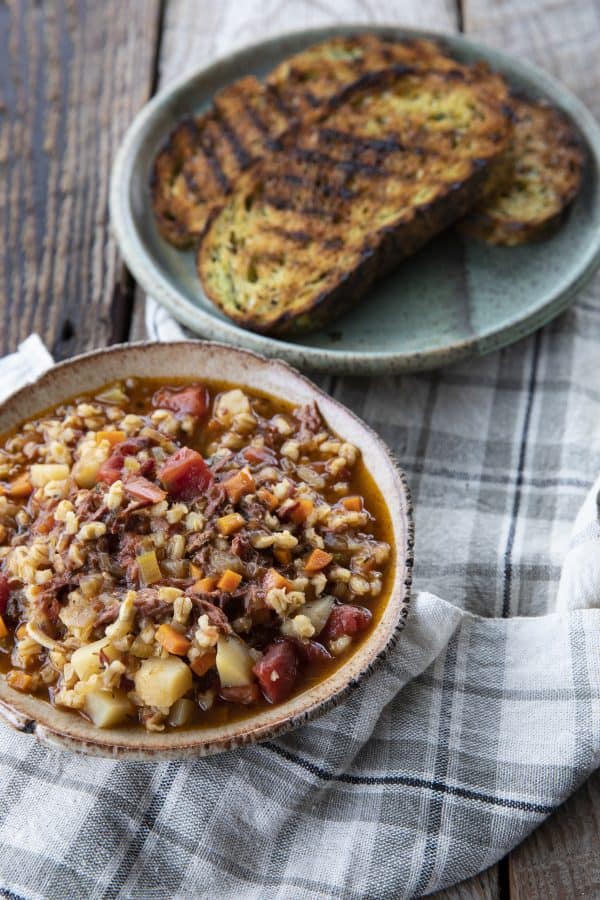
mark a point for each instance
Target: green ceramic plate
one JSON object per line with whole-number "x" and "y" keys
{"x": 456, "y": 298}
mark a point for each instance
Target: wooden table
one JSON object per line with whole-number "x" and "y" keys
{"x": 73, "y": 73}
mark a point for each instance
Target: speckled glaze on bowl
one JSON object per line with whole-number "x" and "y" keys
{"x": 454, "y": 299}
{"x": 199, "y": 360}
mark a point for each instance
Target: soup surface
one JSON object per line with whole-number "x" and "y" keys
{"x": 183, "y": 554}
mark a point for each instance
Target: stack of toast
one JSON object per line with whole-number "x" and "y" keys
{"x": 299, "y": 191}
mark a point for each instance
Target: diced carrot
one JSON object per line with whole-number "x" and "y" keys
{"x": 268, "y": 498}
{"x": 19, "y": 488}
{"x": 301, "y": 510}
{"x": 196, "y": 571}
{"x": 317, "y": 560}
{"x": 172, "y": 640}
{"x": 274, "y": 579}
{"x": 113, "y": 437}
{"x": 231, "y": 523}
{"x": 282, "y": 556}
{"x": 44, "y": 524}
{"x": 3, "y": 628}
{"x": 205, "y": 585}
{"x": 20, "y": 681}
{"x": 229, "y": 580}
{"x": 354, "y": 504}
{"x": 202, "y": 664}
{"x": 239, "y": 484}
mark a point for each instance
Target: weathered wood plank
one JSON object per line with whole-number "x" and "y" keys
{"x": 560, "y": 860}
{"x": 191, "y": 39}
{"x": 73, "y": 74}
{"x": 562, "y": 36}
{"x": 482, "y": 887}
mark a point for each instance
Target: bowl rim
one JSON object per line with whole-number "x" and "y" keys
{"x": 147, "y": 272}
{"x": 64, "y": 728}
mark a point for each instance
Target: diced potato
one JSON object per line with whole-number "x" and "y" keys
{"x": 141, "y": 649}
{"x": 41, "y": 474}
{"x": 183, "y": 712}
{"x": 86, "y": 660}
{"x": 85, "y": 470}
{"x": 160, "y": 682}
{"x": 107, "y": 708}
{"x": 318, "y": 612}
{"x": 234, "y": 663}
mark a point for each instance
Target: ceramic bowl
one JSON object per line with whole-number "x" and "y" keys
{"x": 200, "y": 360}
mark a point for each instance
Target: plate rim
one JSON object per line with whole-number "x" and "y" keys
{"x": 147, "y": 273}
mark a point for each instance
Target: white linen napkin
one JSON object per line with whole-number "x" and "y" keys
{"x": 470, "y": 733}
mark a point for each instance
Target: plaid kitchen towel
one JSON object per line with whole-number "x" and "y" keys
{"x": 482, "y": 720}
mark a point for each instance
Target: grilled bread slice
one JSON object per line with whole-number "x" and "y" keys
{"x": 308, "y": 229}
{"x": 545, "y": 160}
{"x": 195, "y": 170}
{"x": 202, "y": 158}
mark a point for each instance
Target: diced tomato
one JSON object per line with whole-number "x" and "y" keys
{"x": 185, "y": 475}
{"x": 4, "y": 593}
{"x": 193, "y": 400}
{"x": 277, "y": 671}
{"x": 111, "y": 469}
{"x": 142, "y": 489}
{"x": 245, "y": 694}
{"x": 346, "y": 619}
{"x": 313, "y": 652}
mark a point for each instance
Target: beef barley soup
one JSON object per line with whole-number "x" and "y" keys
{"x": 183, "y": 554}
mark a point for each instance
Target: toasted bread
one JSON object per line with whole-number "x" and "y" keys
{"x": 202, "y": 158}
{"x": 545, "y": 160}
{"x": 312, "y": 77}
{"x": 400, "y": 156}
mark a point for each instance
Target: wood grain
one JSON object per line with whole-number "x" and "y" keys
{"x": 73, "y": 75}
{"x": 561, "y": 36}
{"x": 560, "y": 859}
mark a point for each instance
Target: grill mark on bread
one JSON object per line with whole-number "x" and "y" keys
{"x": 209, "y": 153}
{"x": 241, "y": 154}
